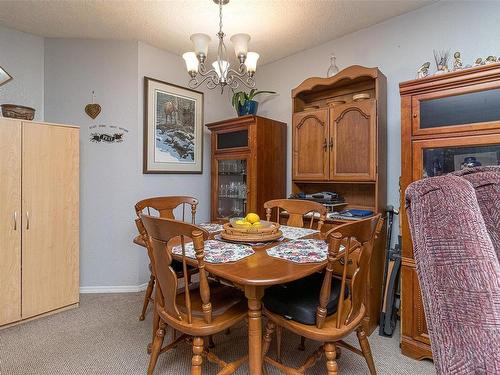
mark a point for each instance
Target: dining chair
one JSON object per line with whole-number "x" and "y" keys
{"x": 296, "y": 209}
{"x": 163, "y": 207}
{"x": 327, "y": 307}
{"x": 199, "y": 310}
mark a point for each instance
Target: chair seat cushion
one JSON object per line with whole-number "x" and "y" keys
{"x": 299, "y": 299}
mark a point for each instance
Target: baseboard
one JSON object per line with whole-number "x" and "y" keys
{"x": 113, "y": 289}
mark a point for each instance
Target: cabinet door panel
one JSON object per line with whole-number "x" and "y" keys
{"x": 50, "y": 208}
{"x": 310, "y": 156}
{"x": 353, "y": 141}
{"x": 10, "y": 221}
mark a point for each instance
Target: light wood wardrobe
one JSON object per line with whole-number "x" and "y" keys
{"x": 39, "y": 219}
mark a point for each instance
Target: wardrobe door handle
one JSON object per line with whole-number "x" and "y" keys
{"x": 15, "y": 220}
{"x": 27, "y": 220}
{"x": 325, "y": 145}
{"x": 331, "y": 143}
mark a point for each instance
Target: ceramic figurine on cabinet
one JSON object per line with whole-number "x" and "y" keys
{"x": 423, "y": 71}
{"x": 441, "y": 58}
{"x": 491, "y": 60}
{"x": 457, "y": 62}
{"x": 479, "y": 61}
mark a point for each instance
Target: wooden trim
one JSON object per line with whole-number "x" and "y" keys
{"x": 48, "y": 313}
{"x": 349, "y": 73}
{"x": 460, "y": 78}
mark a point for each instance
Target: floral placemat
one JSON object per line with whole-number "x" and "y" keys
{"x": 293, "y": 233}
{"x": 301, "y": 251}
{"x": 211, "y": 227}
{"x": 217, "y": 251}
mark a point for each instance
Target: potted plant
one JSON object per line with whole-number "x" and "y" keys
{"x": 243, "y": 102}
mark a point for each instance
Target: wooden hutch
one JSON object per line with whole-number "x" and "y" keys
{"x": 248, "y": 165}
{"x": 339, "y": 145}
{"x": 448, "y": 121}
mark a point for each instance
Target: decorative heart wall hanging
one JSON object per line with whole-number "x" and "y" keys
{"x": 93, "y": 109}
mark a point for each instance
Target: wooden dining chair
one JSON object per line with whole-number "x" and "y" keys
{"x": 330, "y": 307}
{"x": 200, "y": 310}
{"x": 164, "y": 207}
{"x": 296, "y": 209}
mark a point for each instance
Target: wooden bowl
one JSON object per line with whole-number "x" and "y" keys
{"x": 268, "y": 232}
{"x": 18, "y": 111}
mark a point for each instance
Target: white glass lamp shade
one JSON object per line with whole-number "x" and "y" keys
{"x": 191, "y": 62}
{"x": 251, "y": 61}
{"x": 225, "y": 67}
{"x": 200, "y": 43}
{"x": 240, "y": 42}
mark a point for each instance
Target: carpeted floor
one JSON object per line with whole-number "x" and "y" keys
{"x": 104, "y": 336}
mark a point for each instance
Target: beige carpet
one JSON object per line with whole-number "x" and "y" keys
{"x": 104, "y": 336}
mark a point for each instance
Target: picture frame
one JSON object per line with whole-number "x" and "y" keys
{"x": 4, "y": 76}
{"x": 173, "y": 128}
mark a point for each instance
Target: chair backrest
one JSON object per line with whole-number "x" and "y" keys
{"x": 162, "y": 235}
{"x": 166, "y": 206}
{"x": 144, "y": 236}
{"x": 356, "y": 235}
{"x": 296, "y": 209}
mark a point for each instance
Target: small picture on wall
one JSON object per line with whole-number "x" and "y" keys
{"x": 173, "y": 128}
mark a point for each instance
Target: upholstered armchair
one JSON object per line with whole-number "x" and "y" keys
{"x": 455, "y": 226}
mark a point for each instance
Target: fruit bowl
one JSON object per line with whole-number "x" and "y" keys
{"x": 267, "y": 231}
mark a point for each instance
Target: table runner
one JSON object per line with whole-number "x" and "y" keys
{"x": 217, "y": 251}
{"x": 293, "y": 233}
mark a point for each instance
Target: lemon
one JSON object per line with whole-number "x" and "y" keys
{"x": 252, "y": 218}
{"x": 240, "y": 222}
{"x": 246, "y": 224}
{"x": 257, "y": 224}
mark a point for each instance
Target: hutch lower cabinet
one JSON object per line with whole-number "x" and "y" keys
{"x": 39, "y": 219}
{"x": 448, "y": 122}
{"x": 248, "y": 165}
{"x": 339, "y": 145}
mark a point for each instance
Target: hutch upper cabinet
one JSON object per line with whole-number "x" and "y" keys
{"x": 39, "y": 215}
{"x": 248, "y": 165}
{"x": 339, "y": 145}
{"x": 448, "y": 122}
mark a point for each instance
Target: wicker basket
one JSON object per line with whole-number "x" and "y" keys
{"x": 18, "y": 112}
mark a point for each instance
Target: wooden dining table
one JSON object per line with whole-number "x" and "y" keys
{"x": 254, "y": 274}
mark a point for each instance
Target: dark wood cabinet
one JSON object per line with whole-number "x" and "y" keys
{"x": 448, "y": 122}
{"x": 339, "y": 145}
{"x": 248, "y": 165}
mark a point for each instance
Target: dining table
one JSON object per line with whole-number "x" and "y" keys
{"x": 253, "y": 274}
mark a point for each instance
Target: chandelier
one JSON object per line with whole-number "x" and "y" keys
{"x": 221, "y": 74}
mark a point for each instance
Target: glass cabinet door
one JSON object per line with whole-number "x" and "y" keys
{"x": 439, "y": 157}
{"x": 447, "y": 111}
{"x": 231, "y": 187}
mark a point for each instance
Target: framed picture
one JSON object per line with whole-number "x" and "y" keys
{"x": 4, "y": 76}
{"x": 173, "y": 128}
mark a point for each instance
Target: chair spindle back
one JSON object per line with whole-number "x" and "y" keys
{"x": 296, "y": 209}
{"x": 166, "y": 206}
{"x": 163, "y": 234}
{"x": 356, "y": 235}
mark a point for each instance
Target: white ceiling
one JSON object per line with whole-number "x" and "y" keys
{"x": 278, "y": 28}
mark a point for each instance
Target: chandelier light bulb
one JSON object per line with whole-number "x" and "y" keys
{"x": 200, "y": 44}
{"x": 191, "y": 63}
{"x": 251, "y": 62}
{"x": 240, "y": 42}
{"x": 222, "y": 73}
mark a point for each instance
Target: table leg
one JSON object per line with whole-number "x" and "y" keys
{"x": 254, "y": 295}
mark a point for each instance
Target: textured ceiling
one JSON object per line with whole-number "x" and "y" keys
{"x": 278, "y": 28}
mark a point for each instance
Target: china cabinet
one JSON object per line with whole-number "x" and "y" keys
{"x": 248, "y": 165}
{"x": 39, "y": 211}
{"x": 448, "y": 122}
{"x": 339, "y": 145}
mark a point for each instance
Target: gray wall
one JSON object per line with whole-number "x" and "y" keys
{"x": 398, "y": 47}
{"x": 111, "y": 174}
{"x": 22, "y": 58}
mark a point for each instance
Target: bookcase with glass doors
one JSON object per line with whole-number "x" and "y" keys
{"x": 248, "y": 161}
